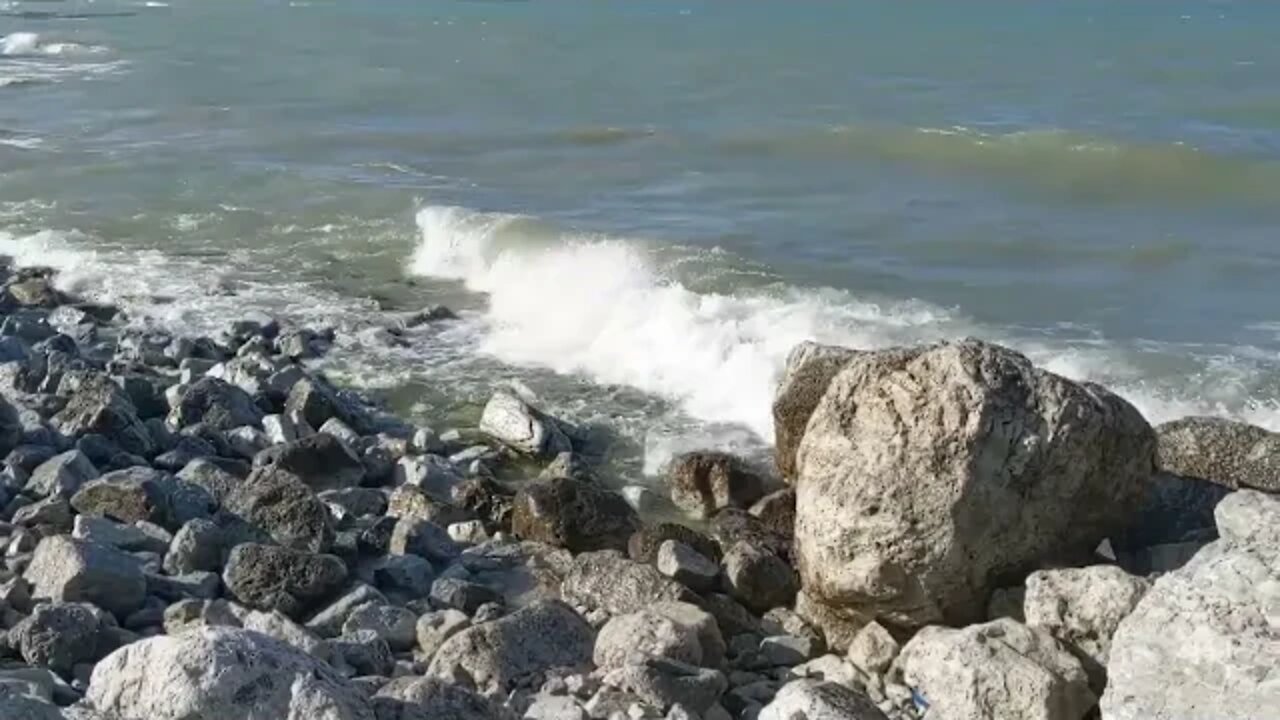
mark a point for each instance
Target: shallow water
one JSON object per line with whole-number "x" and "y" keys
{"x": 640, "y": 207}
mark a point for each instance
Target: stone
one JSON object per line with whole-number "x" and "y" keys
{"x": 530, "y": 641}
{"x": 69, "y": 570}
{"x": 329, "y": 621}
{"x": 1224, "y": 452}
{"x": 757, "y": 578}
{"x": 787, "y": 650}
{"x": 99, "y": 406}
{"x": 265, "y": 577}
{"x": 362, "y": 653}
{"x": 607, "y": 581}
{"x": 573, "y": 514}
{"x": 60, "y": 635}
{"x": 108, "y": 532}
{"x": 518, "y": 425}
{"x": 424, "y": 539}
{"x": 471, "y": 532}
{"x": 192, "y": 612}
{"x": 434, "y": 628}
{"x": 61, "y": 475}
{"x": 215, "y": 480}
{"x": 462, "y": 595}
{"x": 276, "y": 625}
{"x": 410, "y": 501}
{"x": 357, "y": 501}
{"x": 704, "y": 482}
{"x": 1202, "y": 642}
{"x": 21, "y": 707}
{"x": 873, "y": 649}
{"x": 52, "y": 512}
{"x": 1000, "y": 465}
{"x": 817, "y": 700}
{"x": 140, "y": 493}
{"x": 998, "y": 669}
{"x": 223, "y": 673}
{"x": 315, "y": 402}
{"x": 409, "y": 575}
{"x": 777, "y": 511}
{"x": 663, "y": 683}
{"x": 645, "y": 634}
{"x": 484, "y": 498}
{"x": 644, "y": 544}
{"x": 202, "y": 585}
{"x": 284, "y": 507}
{"x": 415, "y": 698}
{"x": 216, "y": 404}
{"x": 555, "y": 707}
{"x": 810, "y": 368}
{"x": 433, "y": 474}
{"x": 199, "y": 545}
{"x": 396, "y": 625}
{"x": 687, "y": 566}
{"x": 1082, "y": 607}
{"x": 279, "y": 428}
{"x": 321, "y": 462}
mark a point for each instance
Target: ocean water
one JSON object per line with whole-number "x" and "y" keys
{"x": 639, "y": 207}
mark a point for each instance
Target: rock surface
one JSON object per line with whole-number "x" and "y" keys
{"x": 574, "y": 514}
{"x": 69, "y": 570}
{"x": 817, "y": 700}
{"x": 607, "y": 581}
{"x": 1224, "y": 452}
{"x": 517, "y": 424}
{"x": 809, "y": 370}
{"x": 274, "y": 578}
{"x": 704, "y": 482}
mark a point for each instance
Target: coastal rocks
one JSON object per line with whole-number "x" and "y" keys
{"x": 1224, "y": 452}
{"x": 60, "y": 635}
{"x": 607, "y": 581}
{"x": 198, "y": 545}
{"x": 139, "y": 493}
{"x": 61, "y": 475}
{"x": 266, "y": 577}
{"x": 809, "y": 370}
{"x": 646, "y": 634}
{"x": 424, "y": 539}
{"x": 98, "y": 406}
{"x": 433, "y": 474}
{"x": 1001, "y": 465}
{"x": 285, "y": 508}
{"x": 411, "y": 698}
{"x": 69, "y": 570}
{"x": 434, "y": 628}
{"x": 216, "y": 404}
{"x": 704, "y": 482}
{"x": 1174, "y": 509}
{"x": 496, "y": 654}
{"x": 644, "y": 544}
{"x": 574, "y": 514}
{"x": 817, "y": 700}
{"x": 396, "y": 625}
{"x": 687, "y": 566}
{"x": 995, "y": 670}
{"x": 1202, "y": 642}
{"x": 1082, "y": 607}
{"x": 757, "y": 578}
{"x": 321, "y": 462}
{"x": 518, "y": 425}
{"x": 223, "y": 673}
{"x": 329, "y": 621}
{"x": 664, "y": 683}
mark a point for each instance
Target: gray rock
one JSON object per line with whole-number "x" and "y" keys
{"x": 434, "y": 628}
{"x": 424, "y": 539}
{"x": 363, "y": 652}
{"x": 20, "y": 707}
{"x": 284, "y": 507}
{"x": 662, "y": 682}
{"x": 357, "y": 501}
{"x": 462, "y": 595}
{"x": 758, "y": 578}
{"x": 532, "y": 640}
{"x": 777, "y": 511}
{"x": 409, "y": 575}
{"x": 815, "y": 700}
{"x": 999, "y": 464}
{"x": 329, "y": 621}
{"x": 201, "y": 585}
{"x": 216, "y": 404}
{"x": 215, "y": 480}
{"x": 1082, "y": 607}
{"x": 69, "y": 570}
{"x": 52, "y": 512}
{"x": 139, "y": 493}
{"x": 274, "y": 578}
{"x": 433, "y": 474}
{"x": 787, "y": 650}
{"x": 998, "y": 669}
{"x": 573, "y": 514}
{"x": 197, "y": 546}
{"x": 704, "y": 482}
{"x": 100, "y": 407}
{"x": 555, "y": 707}
{"x": 1202, "y": 642}
{"x": 186, "y": 614}
{"x": 321, "y": 461}
{"x": 482, "y": 497}
{"x": 644, "y": 544}
{"x": 223, "y": 673}
{"x": 394, "y": 624}
{"x": 471, "y": 532}
{"x": 513, "y": 422}
{"x": 60, "y": 635}
{"x": 873, "y": 649}
{"x": 315, "y": 402}
{"x": 277, "y": 625}
{"x": 413, "y": 698}
{"x": 1173, "y": 509}
{"x": 61, "y": 475}
{"x": 108, "y": 532}
{"x": 607, "y": 581}
{"x": 687, "y": 566}
{"x": 809, "y": 370}
{"x": 1224, "y": 452}
{"x": 644, "y": 634}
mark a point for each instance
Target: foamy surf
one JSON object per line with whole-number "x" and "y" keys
{"x": 29, "y": 44}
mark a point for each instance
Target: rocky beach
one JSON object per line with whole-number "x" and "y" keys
{"x": 205, "y": 528}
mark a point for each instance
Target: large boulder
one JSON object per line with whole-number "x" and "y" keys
{"x": 280, "y": 504}
{"x": 607, "y": 581}
{"x": 320, "y": 461}
{"x": 522, "y": 427}
{"x": 996, "y": 670}
{"x": 809, "y": 370}
{"x": 1204, "y": 642}
{"x": 703, "y": 482}
{"x": 574, "y": 514}
{"x": 818, "y": 700}
{"x": 1223, "y": 452}
{"x": 267, "y": 577}
{"x": 69, "y": 570}
{"x": 216, "y": 404}
{"x": 141, "y": 493}
{"x": 224, "y": 673}
{"x": 530, "y": 641}
{"x": 1082, "y": 607}
{"x": 99, "y": 406}
{"x": 927, "y": 474}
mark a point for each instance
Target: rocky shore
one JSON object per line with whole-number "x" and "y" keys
{"x": 205, "y": 528}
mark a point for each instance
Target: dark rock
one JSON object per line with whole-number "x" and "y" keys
{"x": 777, "y": 511}
{"x": 732, "y": 526}
{"x": 97, "y": 405}
{"x": 29, "y": 457}
{"x": 321, "y": 461}
{"x": 414, "y": 698}
{"x": 217, "y": 404}
{"x": 408, "y": 501}
{"x": 704, "y": 482}
{"x": 573, "y": 514}
{"x": 484, "y": 498}
{"x": 608, "y": 581}
{"x": 419, "y": 537}
{"x": 363, "y": 652}
{"x": 758, "y": 578}
{"x": 275, "y": 578}
{"x": 285, "y": 508}
{"x": 1224, "y": 452}
{"x": 141, "y": 493}
{"x": 461, "y": 595}
{"x": 410, "y": 575}
{"x": 643, "y": 545}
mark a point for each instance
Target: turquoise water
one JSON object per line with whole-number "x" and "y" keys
{"x": 641, "y": 206}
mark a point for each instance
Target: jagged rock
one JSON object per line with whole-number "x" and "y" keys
{"x": 321, "y": 462}
{"x": 315, "y": 401}
{"x": 274, "y": 578}
{"x": 394, "y": 624}
{"x": 199, "y": 545}
{"x": 409, "y": 501}
{"x": 214, "y": 479}
{"x": 61, "y": 475}
{"x": 687, "y": 566}
{"x": 532, "y": 640}
{"x": 777, "y": 511}
{"x": 284, "y": 507}
{"x": 816, "y": 700}
{"x": 60, "y": 635}
{"x": 607, "y": 581}
{"x": 99, "y": 406}
{"x": 873, "y": 649}
{"x": 424, "y": 539}
{"x": 69, "y": 570}
{"x": 357, "y": 501}
{"x": 129, "y": 538}
{"x": 644, "y": 543}
{"x": 644, "y": 634}
{"x": 186, "y": 614}
{"x": 580, "y": 516}
{"x": 484, "y": 498}
{"x": 462, "y": 595}
{"x": 809, "y": 370}
{"x": 1224, "y": 452}
{"x": 435, "y": 475}
{"x": 998, "y": 669}
{"x": 52, "y": 512}
{"x": 513, "y": 422}
{"x": 140, "y": 493}
{"x": 758, "y": 578}
{"x": 1202, "y": 642}
{"x": 409, "y": 575}
{"x": 223, "y": 673}
{"x": 434, "y": 628}
{"x": 704, "y": 482}
{"x": 412, "y": 698}
{"x": 663, "y": 682}
{"x": 329, "y": 621}
{"x": 217, "y": 404}
{"x": 1082, "y": 607}
{"x": 999, "y": 464}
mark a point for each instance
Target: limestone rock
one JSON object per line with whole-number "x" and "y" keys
{"x": 998, "y": 464}
{"x": 777, "y": 511}
{"x": 329, "y": 621}
{"x": 703, "y": 482}
{"x": 199, "y": 545}
{"x": 424, "y": 539}
{"x": 809, "y": 370}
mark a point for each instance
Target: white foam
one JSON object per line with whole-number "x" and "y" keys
{"x": 21, "y": 143}
{"x": 29, "y": 44}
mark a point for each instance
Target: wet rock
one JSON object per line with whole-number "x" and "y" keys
{"x": 777, "y": 511}
{"x": 216, "y": 404}
{"x": 573, "y": 514}
{"x": 60, "y": 635}
{"x": 322, "y": 462}
{"x": 140, "y": 493}
{"x": 607, "y": 581}
{"x": 435, "y": 475}
{"x": 758, "y": 578}
{"x": 23, "y": 707}
{"x": 513, "y": 422}
{"x": 704, "y": 482}
{"x": 69, "y": 570}
{"x": 484, "y": 498}
{"x": 816, "y": 700}
{"x": 999, "y": 464}
{"x": 275, "y": 578}
{"x": 315, "y": 401}
{"x": 227, "y": 673}
{"x": 284, "y": 507}
{"x": 61, "y": 475}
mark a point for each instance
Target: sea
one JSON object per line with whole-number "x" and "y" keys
{"x": 638, "y": 207}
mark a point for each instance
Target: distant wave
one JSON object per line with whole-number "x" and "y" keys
{"x": 29, "y": 44}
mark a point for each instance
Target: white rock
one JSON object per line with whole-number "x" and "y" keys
{"x": 873, "y": 649}
{"x": 514, "y": 422}
{"x": 815, "y": 700}
{"x": 277, "y": 625}
{"x": 432, "y": 473}
{"x": 279, "y": 429}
